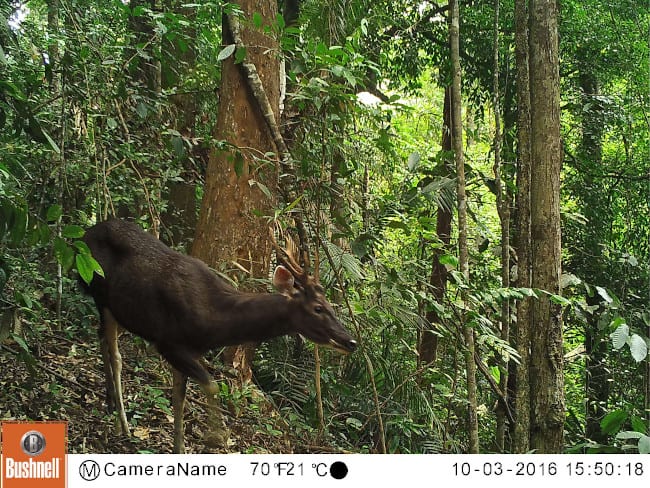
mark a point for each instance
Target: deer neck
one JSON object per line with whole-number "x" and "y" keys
{"x": 255, "y": 317}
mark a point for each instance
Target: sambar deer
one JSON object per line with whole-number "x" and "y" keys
{"x": 177, "y": 303}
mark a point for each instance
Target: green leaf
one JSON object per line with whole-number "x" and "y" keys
{"x": 496, "y": 373}
{"x": 82, "y": 247}
{"x": 638, "y": 424}
{"x": 279, "y": 19}
{"x": 21, "y": 342}
{"x": 142, "y": 110}
{"x": 448, "y": 259}
{"x": 240, "y": 55}
{"x": 613, "y": 421}
{"x": 629, "y": 434}
{"x": 638, "y": 348}
{"x": 261, "y": 186}
{"x": 559, "y": 299}
{"x": 53, "y": 144}
{"x": 64, "y": 254}
{"x": 604, "y": 295}
{"x": 354, "y": 423}
{"x": 226, "y": 52}
{"x": 619, "y": 336}
{"x": 644, "y": 445}
{"x": 413, "y": 161}
{"x": 86, "y": 265}
{"x": 257, "y": 19}
{"x": 239, "y": 164}
{"x": 54, "y": 213}
{"x": 73, "y": 231}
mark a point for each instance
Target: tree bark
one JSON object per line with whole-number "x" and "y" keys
{"x": 457, "y": 142}
{"x": 229, "y": 228}
{"x": 503, "y": 209}
{"x": 522, "y": 203}
{"x": 546, "y": 373}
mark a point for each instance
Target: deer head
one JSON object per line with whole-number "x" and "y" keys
{"x": 313, "y": 316}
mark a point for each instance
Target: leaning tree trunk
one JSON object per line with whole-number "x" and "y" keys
{"x": 546, "y": 374}
{"x": 238, "y": 177}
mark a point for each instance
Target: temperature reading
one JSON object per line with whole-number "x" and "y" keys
{"x": 286, "y": 468}
{"x": 337, "y": 470}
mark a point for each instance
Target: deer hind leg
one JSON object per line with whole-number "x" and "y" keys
{"x": 179, "y": 388}
{"x": 186, "y": 365}
{"x": 109, "y": 332}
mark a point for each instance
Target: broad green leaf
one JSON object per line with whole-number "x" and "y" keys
{"x": 73, "y": 231}
{"x": 257, "y": 19}
{"x": 142, "y": 110}
{"x": 354, "y": 423}
{"x": 644, "y": 445}
{"x": 226, "y": 52}
{"x": 279, "y": 20}
{"x": 496, "y": 373}
{"x": 619, "y": 336}
{"x": 559, "y": 299}
{"x": 240, "y": 55}
{"x": 82, "y": 247}
{"x": 638, "y": 348}
{"x": 448, "y": 259}
{"x": 64, "y": 254}
{"x": 629, "y": 434}
{"x": 413, "y": 161}
{"x": 638, "y": 424}
{"x": 20, "y": 341}
{"x": 613, "y": 421}
{"x": 603, "y": 294}
{"x": 54, "y": 213}
{"x": 86, "y": 265}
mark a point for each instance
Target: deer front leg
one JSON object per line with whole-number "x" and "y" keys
{"x": 109, "y": 346}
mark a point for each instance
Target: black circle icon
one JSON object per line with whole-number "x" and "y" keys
{"x": 338, "y": 470}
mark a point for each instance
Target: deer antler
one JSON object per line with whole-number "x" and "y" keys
{"x": 287, "y": 259}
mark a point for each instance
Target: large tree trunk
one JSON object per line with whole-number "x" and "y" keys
{"x": 546, "y": 374}
{"x": 457, "y": 142}
{"x": 522, "y": 331}
{"x": 229, "y": 228}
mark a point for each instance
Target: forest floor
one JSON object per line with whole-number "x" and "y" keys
{"x": 63, "y": 379}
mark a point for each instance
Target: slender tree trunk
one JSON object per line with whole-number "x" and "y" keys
{"x": 546, "y": 375}
{"x": 229, "y": 230}
{"x": 503, "y": 209}
{"x": 597, "y": 376}
{"x": 428, "y": 346}
{"x": 522, "y": 333}
{"x": 457, "y": 141}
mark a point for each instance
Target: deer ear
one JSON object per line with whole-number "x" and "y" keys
{"x": 282, "y": 279}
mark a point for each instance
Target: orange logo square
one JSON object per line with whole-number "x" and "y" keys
{"x": 33, "y": 454}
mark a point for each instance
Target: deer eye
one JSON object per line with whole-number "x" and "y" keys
{"x": 318, "y": 309}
